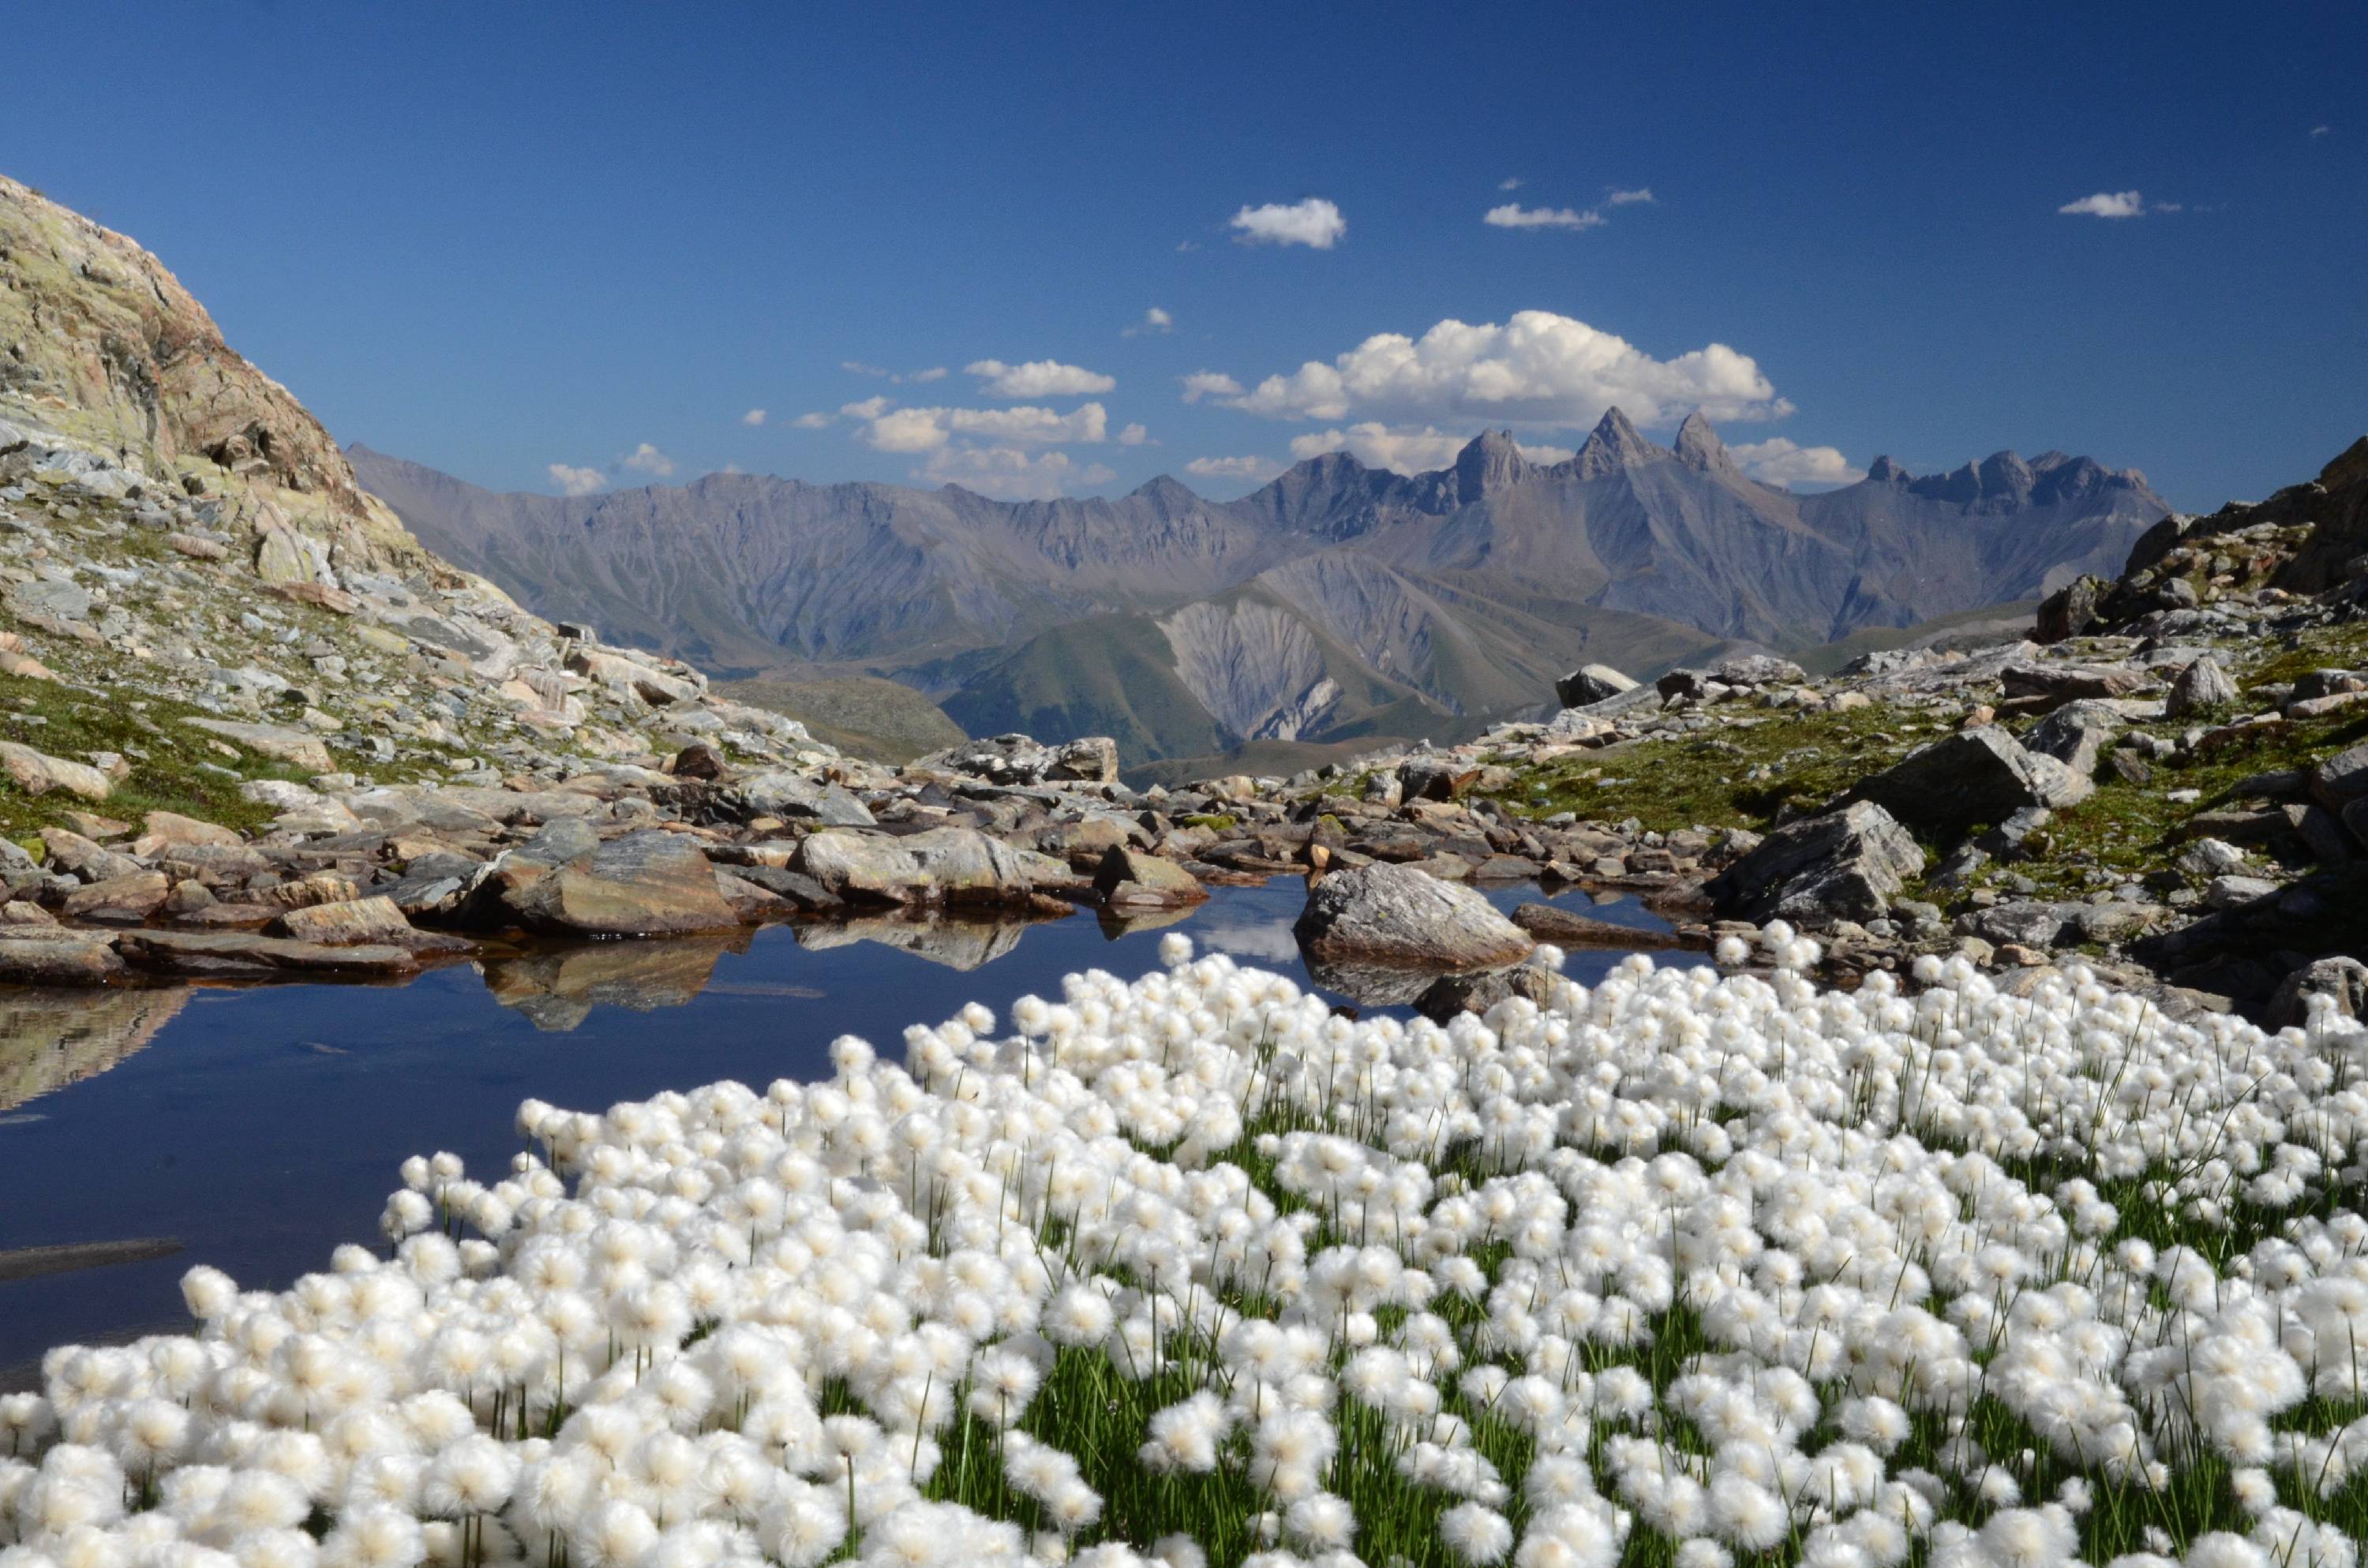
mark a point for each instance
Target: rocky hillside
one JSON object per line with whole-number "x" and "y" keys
{"x": 1336, "y": 602}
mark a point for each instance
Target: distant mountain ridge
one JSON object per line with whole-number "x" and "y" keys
{"x": 1333, "y": 598}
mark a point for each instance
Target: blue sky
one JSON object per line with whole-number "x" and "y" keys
{"x": 524, "y": 242}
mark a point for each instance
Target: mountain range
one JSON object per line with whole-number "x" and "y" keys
{"x": 1337, "y": 603}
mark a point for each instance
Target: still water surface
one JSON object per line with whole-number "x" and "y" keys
{"x": 258, "y": 1128}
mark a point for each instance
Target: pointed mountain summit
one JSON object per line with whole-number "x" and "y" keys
{"x": 1698, "y": 447}
{"x": 1489, "y": 462}
{"x": 1612, "y": 445}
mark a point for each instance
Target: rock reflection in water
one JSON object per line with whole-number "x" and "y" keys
{"x": 1371, "y": 985}
{"x": 957, "y": 941}
{"x": 51, "y": 1039}
{"x": 557, "y": 989}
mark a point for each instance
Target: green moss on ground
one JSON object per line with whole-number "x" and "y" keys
{"x": 173, "y": 769}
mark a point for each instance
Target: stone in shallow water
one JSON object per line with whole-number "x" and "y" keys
{"x": 1399, "y": 916}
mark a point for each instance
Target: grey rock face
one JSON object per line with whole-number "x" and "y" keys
{"x": 1981, "y": 775}
{"x": 1397, "y": 917}
{"x": 1591, "y": 682}
{"x": 1845, "y": 864}
{"x": 2203, "y": 685}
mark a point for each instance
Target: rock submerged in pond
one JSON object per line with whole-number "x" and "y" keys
{"x": 1128, "y": 879}
{"x": 1398, "y": 917}
{"x": 1569, "y": 928}
{"x": 1844, "y": 865}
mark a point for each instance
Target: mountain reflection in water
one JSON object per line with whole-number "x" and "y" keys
{"x": 259, "y": 1126}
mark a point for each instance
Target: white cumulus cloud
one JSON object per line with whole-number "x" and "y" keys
{"x": 570, "y": 481}
{"x": 934, "y": 373}
{"x": 1255, "y": 469}
{"x": 1314, "y": 222}
{"x": 1210, "y": 383}
{"x": 1778, "y": 461}
{"x": 870, "y": 408}
{"x": 926, "y": 429}
{"x": 755, "y": 417}
{"x": 646, "y": 459}
{"x": 2106, "y": 204}
{"x": 1643, "y": 193}
{"x": 1514, "y": 215}
{"x": 1134, "y": 435}
{"x": 1010, "y": 474}
{"x": 814, "y": 421}
{"x": 1155, "y": 322}
{"x": 1038, "y": 378}
{"x": 1510, "y": 182}
{"x": 1536, "y": 369}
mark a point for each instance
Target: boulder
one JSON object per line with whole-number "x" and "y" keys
{"x": 2070, "y": 610}
{"x": 1981, "y": 775}
{"x": 647, "y": 883}
{"x": 171, "y": 829}
{"x": 243, "y": 955}
{"x": 2064, "y": 683}
{"x": 2077, "y": 735}
{"x": 794, "y": 796}
{"x": 1018, "y": 759}
{"x": 1591, "y": 682}
{"x": 1397, "y": 917}
{"x": 295, "y": 747}
{"x": 2203, "y": 685}
{"x": 2339, "y": 780}
{"x": 37, "y": 773}
{"x": 51, "y": 955}
{"x": 961, "y": 865}
{"x": 2343, "y": 981}
{"x": 72, "y": 853}
{"x": 1759, "y": 669}
{"x": 862, "y": 868}
{"x": 2031, "y": 923}
{"x": 132, "y": 897}
{"x": 354, "y": 920}
{"x": 1844, "y": 865}
{"x": 1453, "y": 994}
{"x": 1434, "y": 779}
{"x": 1128, "y": 879}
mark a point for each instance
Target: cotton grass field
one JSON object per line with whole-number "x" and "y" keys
{"x": 1683, "y": 1269}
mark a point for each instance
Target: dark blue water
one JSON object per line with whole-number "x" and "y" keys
{"x": 261, "y": 1127}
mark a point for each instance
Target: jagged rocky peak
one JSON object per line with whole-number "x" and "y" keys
{"x": 1882, "y": 470}
{"x": 1698, "y": 445}
{"x": 1612, "y": 445}
{"x": 1490, "y": 461}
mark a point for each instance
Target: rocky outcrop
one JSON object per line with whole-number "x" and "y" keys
{"x": 1978, "y": 776}
{"x": 1846, "y": 865}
